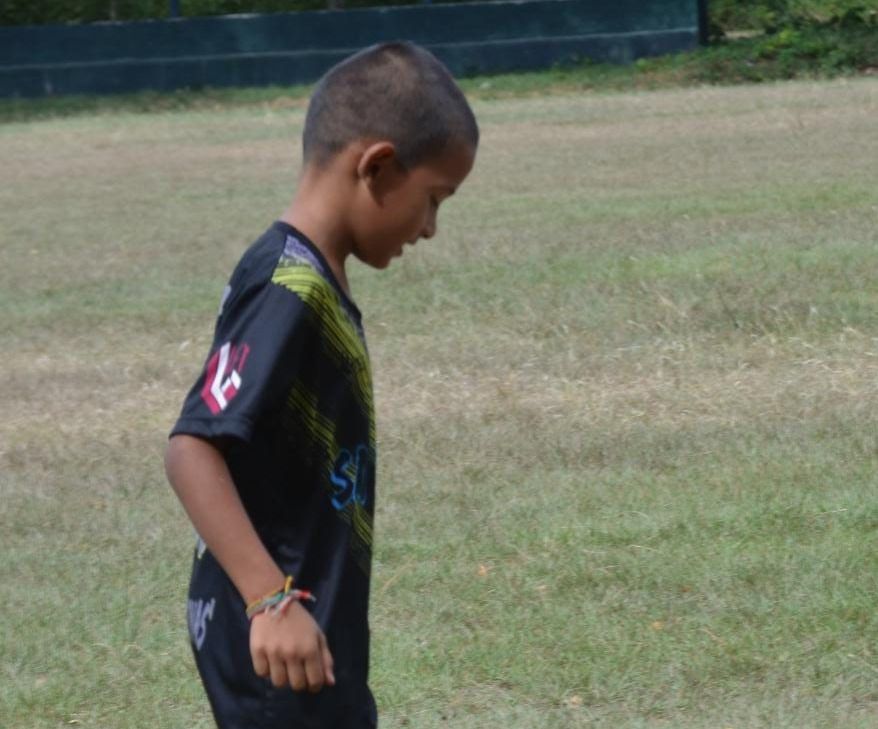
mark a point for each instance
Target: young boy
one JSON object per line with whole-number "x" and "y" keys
{"x": 273, "y": 456}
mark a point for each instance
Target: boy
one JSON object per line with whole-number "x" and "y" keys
{"x": 273, "y": 457}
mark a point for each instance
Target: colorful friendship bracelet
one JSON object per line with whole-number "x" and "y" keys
{"x": 278, "y": 601}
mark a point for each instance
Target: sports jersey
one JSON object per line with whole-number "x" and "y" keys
{"x": 287, "y": 391}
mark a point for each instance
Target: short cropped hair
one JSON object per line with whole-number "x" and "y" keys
{"x": 397, "y": 92}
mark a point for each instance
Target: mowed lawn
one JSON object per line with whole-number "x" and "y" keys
{"x": 627, "y": 406}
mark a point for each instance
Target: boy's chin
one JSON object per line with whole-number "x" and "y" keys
{"x": 375, "y": 262}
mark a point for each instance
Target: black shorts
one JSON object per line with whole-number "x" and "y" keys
{"x": 220, "y": 635}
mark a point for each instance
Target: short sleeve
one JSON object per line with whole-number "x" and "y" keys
{"x": 260, "y": 339}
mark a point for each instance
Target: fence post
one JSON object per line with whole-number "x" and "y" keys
{"x": 703, "y": 23}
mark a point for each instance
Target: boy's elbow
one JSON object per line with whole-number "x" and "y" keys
{"x": 185, "y": 449}
{"x": 177, "y": 451}
{"x": 172, "y": 452}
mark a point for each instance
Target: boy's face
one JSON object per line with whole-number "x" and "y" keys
{"x": 402, "y": 205}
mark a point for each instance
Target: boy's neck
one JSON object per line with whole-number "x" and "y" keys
{"x": 325, "y": 242}
{"x": 317, "y": 211}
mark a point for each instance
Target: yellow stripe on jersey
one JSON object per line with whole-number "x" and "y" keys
{"x": 341, "y": 334}
{"x": 322, "y": 430}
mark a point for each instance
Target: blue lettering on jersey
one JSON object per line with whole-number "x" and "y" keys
{"x": 350, "y": 477}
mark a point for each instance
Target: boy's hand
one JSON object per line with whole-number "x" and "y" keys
{"x": 291, "y": 649}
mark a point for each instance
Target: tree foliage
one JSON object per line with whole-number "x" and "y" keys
{"x": 725, "y": 15}
{"x": 773, "y": 15}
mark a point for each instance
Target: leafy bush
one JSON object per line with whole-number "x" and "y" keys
{"x": 802, "y": 52}
{"x": 725, "y": 15}
{"x": 773, "y": 15}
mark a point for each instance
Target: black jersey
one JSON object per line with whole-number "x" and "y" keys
{"x": 287, "y": 390}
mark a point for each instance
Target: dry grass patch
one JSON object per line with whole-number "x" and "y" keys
{"x": 666, "y": 385}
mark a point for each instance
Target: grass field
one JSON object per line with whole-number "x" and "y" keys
{"x": 627, "y": 409}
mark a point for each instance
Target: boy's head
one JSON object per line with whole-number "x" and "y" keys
{"x": 396, "y": 92}
{"x": 391, "y": 122}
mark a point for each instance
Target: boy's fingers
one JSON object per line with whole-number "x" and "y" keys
{"x": 260, "y": 663}
{"x": 314, "y": 672}
{"x": 278, "y": 670}
{"x": 296, "y": 675}
{"x": 328, "y": 663}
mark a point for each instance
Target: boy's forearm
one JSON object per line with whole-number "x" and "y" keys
{"x": 199, "y": 476}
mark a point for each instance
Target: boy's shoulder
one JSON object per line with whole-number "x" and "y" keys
{"x": 285, "y": 278}
{"x": 280, "y": 245}
{"x": 302, "y": 270}
{"x": 282, "y": 256}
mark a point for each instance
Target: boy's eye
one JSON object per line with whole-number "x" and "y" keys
{"x": 433, "y": 201}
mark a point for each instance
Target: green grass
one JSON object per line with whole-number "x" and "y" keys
{"x": 626, "y": 405}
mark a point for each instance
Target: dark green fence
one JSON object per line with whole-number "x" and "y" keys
{"x": 292, "y": 48}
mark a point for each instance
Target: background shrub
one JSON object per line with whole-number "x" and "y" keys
{"x": 726, "y": 16}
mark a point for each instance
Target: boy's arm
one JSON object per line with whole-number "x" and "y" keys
{"x": 291, "y": 648}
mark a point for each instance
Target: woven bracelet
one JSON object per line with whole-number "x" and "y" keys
{"x": 277, "y": 602}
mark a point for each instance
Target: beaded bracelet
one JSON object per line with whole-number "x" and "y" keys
{"x": 278, "y": 601}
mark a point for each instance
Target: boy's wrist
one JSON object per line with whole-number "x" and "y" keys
{"x": 260, "y": 584}
{"x": 278, "y": 601}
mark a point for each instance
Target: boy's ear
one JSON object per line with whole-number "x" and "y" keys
{"x": 376, "y": 162}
